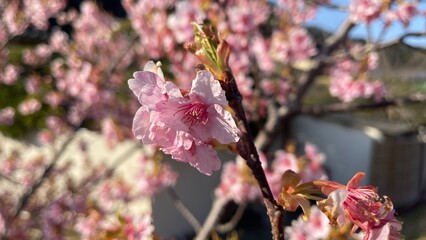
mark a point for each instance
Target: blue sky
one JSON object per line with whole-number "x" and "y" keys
{"x": 330, "y": 19}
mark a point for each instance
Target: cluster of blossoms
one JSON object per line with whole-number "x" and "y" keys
{"x": 183, "y": 123}
{"x": 66, "y": 207}
{"x": 75, "y": 74}
{"x": 349, "y": 79}
{"x": 365, "y": 11}
{"x": 154, "y": 175}
{"x": 238, "y": 184}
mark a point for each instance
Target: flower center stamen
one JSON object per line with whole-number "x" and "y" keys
{"x": 194, "y": 113}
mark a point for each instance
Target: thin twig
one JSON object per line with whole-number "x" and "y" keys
{"x": 227, "y": 227}
{"x": 10, "y": 179}
{"x": 111, "y": 169}
{"x": 211, "y": 219}
{"x": 401, "y": 39}
{"x": 184, "y": 211}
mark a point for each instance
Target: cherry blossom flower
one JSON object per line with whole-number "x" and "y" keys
{"x": 154, "y": 176}
{"x": 315, "y": 228}
{"x": 113, "y": 191}
{"x": 138, "y": 227}
{"x": 296, "y": 45}
{"x": 313, "y": 170}
{"x": 260, "y": 48}
{"x": 180, "y": 21}
{"x": 183, "y": 125}
{"x": 405, "y": 12}
{"x": 111, "y": 132}
{"x": 361, "y": 206}
{"x": 300, "y": 11}
{"x": 347, "y": 86}
{"x": 7, "y": 116}
{"x": 10, "y": 74}
{"x": 237, "y": 183}
{"x": 245, "y": 19}
{"x": 29, "y": 106}
{"x": 365, "y": 10}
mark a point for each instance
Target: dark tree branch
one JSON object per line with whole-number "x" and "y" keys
{"x": 401, "y": 40}
{"x": 247, "y": 150}
{"x": 227, "y": 227}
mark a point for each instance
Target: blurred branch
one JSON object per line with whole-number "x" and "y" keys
{"x": 23, "y": 200}
{"x": 10, "y": 179}
{"x": 350, "y": 107}
{"x": 186, "y": 213}
{"x": 109, "y": 172}
{"x": 120, "y": 57}
{"x": 401, "y": 39}
{"x": 227, "y": 227}
{"x": 211, "y": 219}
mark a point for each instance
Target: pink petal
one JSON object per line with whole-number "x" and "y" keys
{"x": 207, "y": 89}
{"x": 355, "y": 182}
{"x": 141, "y": 125}
{"x": 222, "y": 126}
{"x": 168, "y": 115}
{"x": 148, "y": 87}
{"x": 207, "y": 160}
{"x": 154, "y": 68}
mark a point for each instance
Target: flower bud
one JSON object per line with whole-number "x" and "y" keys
{"x": 210, "y": 49}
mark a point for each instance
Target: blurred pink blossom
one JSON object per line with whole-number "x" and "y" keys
{"x": 154, "y": 177}
{"x": 10, "y": 74}
{"x": 7, "y": 116}
{"x": 138, "y": 227}
{"x": 237, "y": 183}
{"x": 180, "y": 21}
{"x": 317, "y": 227}
{"x": 346, "y": 88}
{"x": 245, "y": 16}
{"x": 14, "y": 18}
{"x": 365, "y": 11}
{"x": 32, "y": 84}
{"x": 29, "y": 106}
{"x": 53, "y": 98}
{"x": 298, "y": 12}
{"x": 113, "y": 191}
{"x": 39, "y": 11}
{"x": 260, "y": 48}
{"x": 405, "y": 12}
{"x": 296, "y": 45}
